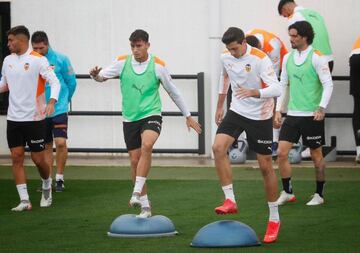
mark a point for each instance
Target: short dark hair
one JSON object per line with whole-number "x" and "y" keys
{"x": 304, "y": 29}
{"x": 139, "y": 35}
{"x": 40, "y": 36}
{"x": 252, "y": 41}
{"x": 233, "y": 34}
{"x": 282, "y": 3}
{"x": 20, "y": 29}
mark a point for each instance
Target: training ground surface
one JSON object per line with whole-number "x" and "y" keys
{"x": 80, "y": 217}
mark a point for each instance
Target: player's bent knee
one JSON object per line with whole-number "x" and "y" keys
{"x": 17, "y": 155}
{"x": 219, "y": 149}
{"x": 61, "y": 143}
{"x": 134, "y": 162}
{"x": 146, "y": 146}
{"x": 319, "y": 164}
{"x": 282, "y": 154}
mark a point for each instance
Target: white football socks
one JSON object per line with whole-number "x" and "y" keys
{"x": 23, "y": 193}
{"x": 46, "y": 183}
{"x": 273, "y": 211}
{"x": 59, "y": 177}
{"x": 139, "y": 184}
{"x": 229, "y": 192}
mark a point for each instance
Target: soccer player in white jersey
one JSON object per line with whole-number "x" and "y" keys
{"x": 140, "y": 76}
{"x": 308, "y": 75}
{"x": 24, "y": 74}
{"x": 251, "y": 76}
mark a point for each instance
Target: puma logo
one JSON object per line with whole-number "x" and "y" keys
{"x": 139, "y": 89}
{"x": 298, "y": 77}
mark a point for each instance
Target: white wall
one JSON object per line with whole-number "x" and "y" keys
{"x": 93, "y": 32}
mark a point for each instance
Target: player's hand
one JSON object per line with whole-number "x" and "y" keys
{"x": 319, "y": 114}
{"x": 277, "y": 120}
{"x": 95, "y": 71}
{"x": 49, "y": 109}
{"x": 219, "y": 116}
{"x": 191, "y": 123}
{"x": 242, "y": 92}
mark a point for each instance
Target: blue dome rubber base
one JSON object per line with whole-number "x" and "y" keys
{"x": 128, "y": 225}
{"x": 224, "y": 234}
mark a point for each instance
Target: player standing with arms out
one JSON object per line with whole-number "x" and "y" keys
{"x": 140, "y": 76}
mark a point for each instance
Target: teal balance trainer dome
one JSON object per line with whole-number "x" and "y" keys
{"x": 225, "y": 233}
{"x": 129, "y": 225}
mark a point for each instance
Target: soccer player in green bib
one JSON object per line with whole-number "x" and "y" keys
{"x": 307, "y": 73}
{"x": 141, "y": 74}
{"x": 293, "y": 12}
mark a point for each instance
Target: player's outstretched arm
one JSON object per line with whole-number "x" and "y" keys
{"x": 94, "y": 74}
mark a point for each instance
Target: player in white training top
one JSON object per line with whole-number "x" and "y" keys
{"x": 251, "y": 76}
{"x": 24, "y": 74}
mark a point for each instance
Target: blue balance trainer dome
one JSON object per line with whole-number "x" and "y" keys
{"x": 129, "y": 225}
{"x": 226, "y": 233}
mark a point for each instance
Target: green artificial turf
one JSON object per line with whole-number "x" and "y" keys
{"x": 81, "y": 216}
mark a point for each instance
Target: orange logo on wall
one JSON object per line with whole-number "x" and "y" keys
{"x": 26, "y": 66}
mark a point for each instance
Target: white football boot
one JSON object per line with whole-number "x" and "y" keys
{"x": 316, "y": 200}
{"x": 46, "y": 197}
{"x": 24, "y": 205}
{"x": 285, "y": 197}
{"x": 145, "y": 213}
{"x": 135, "y": 200}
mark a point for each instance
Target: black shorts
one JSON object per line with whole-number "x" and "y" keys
{"x": 259, "y": 133}
{"x": 312, "y": 131}
{"x": 133, "y": 130}
{"x": 30, "y": 133}
{"x": 56, "y": 127}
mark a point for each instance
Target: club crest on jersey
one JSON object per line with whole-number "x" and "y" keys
{"x": 52, "y": 67}
{"x": 248, "y": 68}
{"x": 26, "y": 66}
